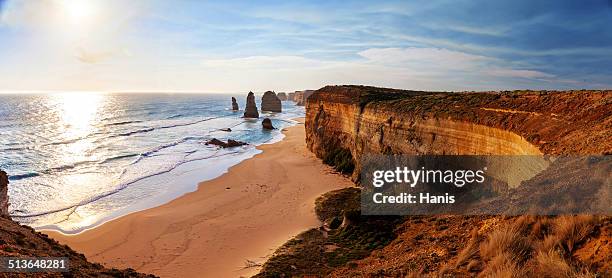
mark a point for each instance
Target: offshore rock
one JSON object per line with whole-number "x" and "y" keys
{"x": 4, "y": 201}
{"x": 282, "y": 96}
{"x": 250, "y": 111}
{"x": 270, "y": 102}
{"x": 234, "y": 104}
{"x": 302, "y": 96}
{"x": 291, "y": 96}
{"x": 230, "y": 143}
{"x": 267, "y": 124}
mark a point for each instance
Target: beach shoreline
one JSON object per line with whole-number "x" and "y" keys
{"x": 243, "y": 215}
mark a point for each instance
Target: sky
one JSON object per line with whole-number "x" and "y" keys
{"x": 237, "y": 46}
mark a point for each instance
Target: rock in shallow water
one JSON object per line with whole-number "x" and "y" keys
{"x": 267, "y": 124}
{"x": 230, "y": 143}
{"x": 250, "y": 111}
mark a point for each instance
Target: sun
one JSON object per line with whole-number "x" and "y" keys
{"x": 78, "y": 11}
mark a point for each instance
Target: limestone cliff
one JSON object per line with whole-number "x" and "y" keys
{"x": 362, "y": 119}
{"x": 345, "y": 122}
{"x": 270, "y": 102}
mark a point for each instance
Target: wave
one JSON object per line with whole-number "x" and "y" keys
{"x": 118, "y": 157}
{"x": 122, "y": 123}
{"x": 23, "y": 176}
{"x": 164, "y": 146}
{"x": 121, "y": 186}
{"x": 145, "y": 130}
{"x": 174, "y": 116}
{"x": 191, "y": 123}
{"x": 149, "y": 129}
{"x": 17, "y": 149}
{"x": 64, "y": 142}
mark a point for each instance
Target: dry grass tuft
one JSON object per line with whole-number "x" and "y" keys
{"x": 503, "y": 265}
{"x": 470, "y": 250}
{"x": 568, "y": 231}
{"x": 551, "y": 264}
{"x": 506, "y": 240}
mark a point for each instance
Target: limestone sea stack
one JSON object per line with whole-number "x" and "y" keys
{"x": 282, "y": 96}
{"x": 267, "y": 124}
{"x": 301, "y": 97}
{"x": 291, "y": 96}
{"x": 270, "y": 102}
{"x": 250, "y": 111}
{"x": 234, "y": 104}
{"x": 4, "y": 202}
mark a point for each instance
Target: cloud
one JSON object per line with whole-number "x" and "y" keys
{"x": 94, "y": 57}
{"x": 410, "y": 68}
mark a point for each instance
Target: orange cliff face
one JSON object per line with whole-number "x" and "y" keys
{"x": 386, "y": 121}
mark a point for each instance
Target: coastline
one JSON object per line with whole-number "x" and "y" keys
{"x": 245, "y": 214}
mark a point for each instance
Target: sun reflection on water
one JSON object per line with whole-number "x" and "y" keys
{"x": 78, "y": 112}
{"x": 78, "y": 115}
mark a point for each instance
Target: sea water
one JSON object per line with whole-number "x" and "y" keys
{"x": 76, "y": 160}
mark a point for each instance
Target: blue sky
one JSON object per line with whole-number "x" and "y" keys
{"x": 236, "y": 46}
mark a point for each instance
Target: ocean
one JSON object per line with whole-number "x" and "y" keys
{"x": 76, "y": 160}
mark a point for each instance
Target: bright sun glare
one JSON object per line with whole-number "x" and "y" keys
{"x": 79, "y": 10}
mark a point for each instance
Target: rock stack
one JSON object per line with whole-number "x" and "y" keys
{"x": 4, "y": 202}
{"x": 302, "y": 96}
{"x": 270, "y": 102}
{"x": 291, "y": 96}
{"x": 282, "y": 96}
{"x": 234, "y": 104}
{"x": 267, "y": 124}
{"x": 250, "y": 111}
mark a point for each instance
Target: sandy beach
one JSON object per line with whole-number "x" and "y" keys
{"x": 243, "y": 215}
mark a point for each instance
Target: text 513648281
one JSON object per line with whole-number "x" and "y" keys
{"x": 33, "y": 264}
